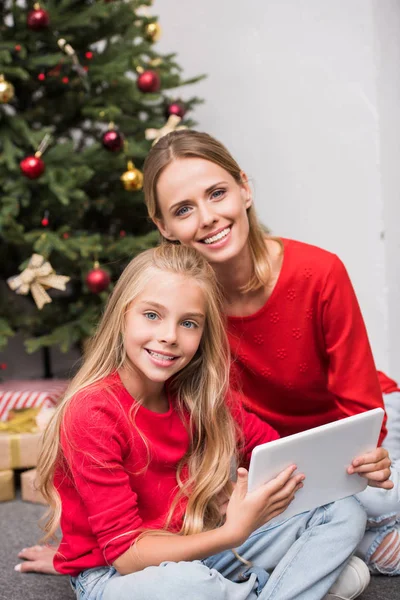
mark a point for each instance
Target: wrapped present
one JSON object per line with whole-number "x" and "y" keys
{"x": 20, "y": 438}
{"x": 16, "y": 394}
{"x": 29, "y": 491}
{"x": 7, "y": 488}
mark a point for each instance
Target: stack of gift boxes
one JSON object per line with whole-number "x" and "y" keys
{"x": 25, "y": 409}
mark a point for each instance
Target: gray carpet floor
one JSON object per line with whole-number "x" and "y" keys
{"x": 19, "y": 528}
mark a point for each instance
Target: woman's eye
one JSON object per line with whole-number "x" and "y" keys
{"x": 182, "y": 211}
{"x": 152, "y": 316}
{"x": 189, "y": 324}
{"x": 217, "y": 194}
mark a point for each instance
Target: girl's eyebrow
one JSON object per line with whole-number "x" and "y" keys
{"x": 206, "y": 191}
{"x": 152, "y": 303}
{"x": 192, "y": 315}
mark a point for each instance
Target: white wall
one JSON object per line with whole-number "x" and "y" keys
{"x": 306, "y": 95}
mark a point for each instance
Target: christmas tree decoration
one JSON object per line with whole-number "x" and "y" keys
{"x": 112, "y": 140}
{"x": 149, "y": 82}
{"x": 132, "y": 179}
{"x": 32, "y": 166}
{"x": 36, "y": 278}
{"x": 176, "y": 108}
{"x": 171, "y": 125}
{"x": 38, "y": 18}
{"x": 69, "y": 51}
{"x": 97, "y": 279}
{"x": 73, "y": 77}
{"x": 153, "y": 32}
{"x": 6, "y": 90}
{"x": 45, "y": 220}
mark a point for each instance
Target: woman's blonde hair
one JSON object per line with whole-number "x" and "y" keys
{"x": 193, "y": 144}
{"x": 199, "y": 388}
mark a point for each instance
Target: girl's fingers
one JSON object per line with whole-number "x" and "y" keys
{"x": 36, "y": 566}
{"x": 289, "y": 488}
{"x": 279, "y": 481}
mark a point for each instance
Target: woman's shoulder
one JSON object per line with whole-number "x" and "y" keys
{"x": 309, "y": 256}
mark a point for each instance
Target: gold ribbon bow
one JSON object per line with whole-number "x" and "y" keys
{"x": 170, "y": 125}
{"x": 21, "y": 421}
{"x": 38, "y": 275}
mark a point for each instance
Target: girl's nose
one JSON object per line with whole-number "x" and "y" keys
{"x": 168, "y": 334}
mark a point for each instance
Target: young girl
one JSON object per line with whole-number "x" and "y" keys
{"x": 136, "y": 464}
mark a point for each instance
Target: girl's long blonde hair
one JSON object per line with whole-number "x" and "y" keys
{"x": 194, "y": 144}
{"x": 200, "y": 388}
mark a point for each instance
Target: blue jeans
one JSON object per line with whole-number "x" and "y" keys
{"x": 383, "y": 506}
{"x": 300, "y": 559}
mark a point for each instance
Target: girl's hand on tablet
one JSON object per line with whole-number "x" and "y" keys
{"x": 247, "y": 511}
{"x": 374, "y": 466}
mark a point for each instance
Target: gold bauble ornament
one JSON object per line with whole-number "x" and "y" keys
{"x": 6, "y": 90}
{"x": 132, "y": 179}
{"x": 153, "y": 32}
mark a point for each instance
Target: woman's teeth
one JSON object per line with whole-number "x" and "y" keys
{"x": 218, "y": 236}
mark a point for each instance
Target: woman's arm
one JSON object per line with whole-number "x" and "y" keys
{"x": 245, "y": 513}
{"x": 352, "y": 375}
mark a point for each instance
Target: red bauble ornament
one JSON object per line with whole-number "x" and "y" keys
{"x": 176, "y": 108}
{"x": 112, "y": 140}
{"x": 97, "y": 280}
{"x": 148, "y": 81}
{"x": 89, "y": 55}
{"x": 32, "y": 167}
{"x": 17, "y": 48}
{"x": 38, "y": 19}
{"x": 45, "y": 221}
{"x": 41, "y": 76}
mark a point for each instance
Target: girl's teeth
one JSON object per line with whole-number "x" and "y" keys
{"x": 161, "y": 356}
{"x": 217, "y": 237}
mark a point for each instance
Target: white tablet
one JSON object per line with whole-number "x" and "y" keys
{"x": 323, "y": 455}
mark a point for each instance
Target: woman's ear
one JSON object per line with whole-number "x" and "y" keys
{"x": 247, "y": 194}
{"x": 159, "y": 223}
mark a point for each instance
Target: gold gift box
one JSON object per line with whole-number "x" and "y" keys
{"x": 20, "y": 440}
{"x": 19, "y": 450}
{"x": 7, "y": 488}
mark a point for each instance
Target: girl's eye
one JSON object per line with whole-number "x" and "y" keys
{"x": 189, "y": 324}
{"x": 216, "y": 194}
{"x": 152, "y": 316}
{"x": 183, "y": 210}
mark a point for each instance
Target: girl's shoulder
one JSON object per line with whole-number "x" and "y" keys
{"x": 105, "y": 399}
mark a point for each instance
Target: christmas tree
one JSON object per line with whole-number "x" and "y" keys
{"x": 83, "y": 92}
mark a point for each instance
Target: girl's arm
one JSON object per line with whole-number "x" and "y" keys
{"x": 245, "y": 513}
{"x": 352, "y": 375}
